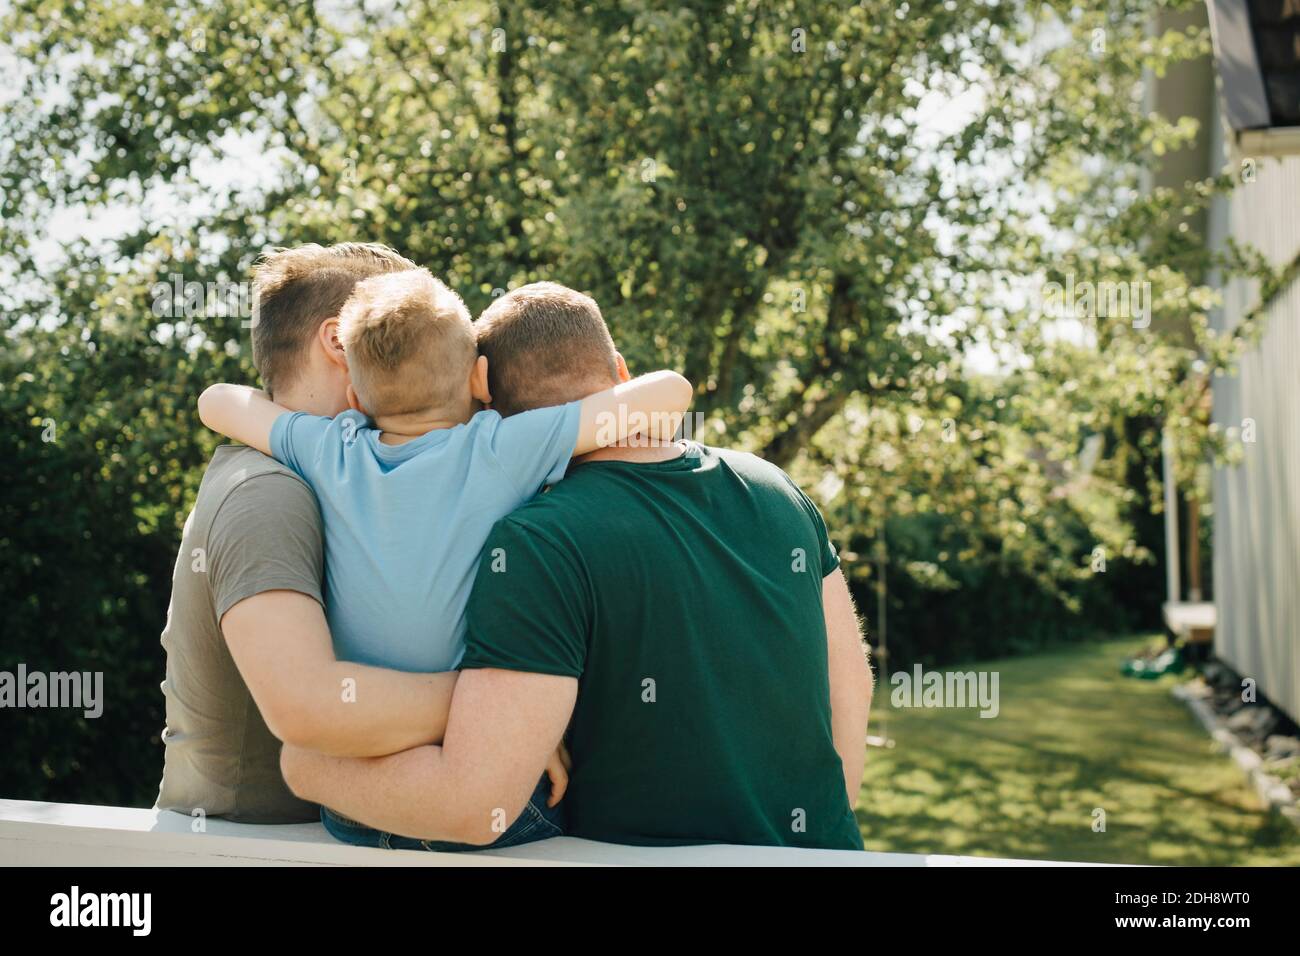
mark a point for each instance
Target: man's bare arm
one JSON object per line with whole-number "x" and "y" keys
{"x": 281, "y": 644}
{"x": 851, "y": 680}
{"x": 503, "y": 727}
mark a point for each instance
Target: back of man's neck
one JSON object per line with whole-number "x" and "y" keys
{"x": 306, "y": 399}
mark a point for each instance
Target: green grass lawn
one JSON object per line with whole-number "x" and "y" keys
{"x": 1072, "y": 735}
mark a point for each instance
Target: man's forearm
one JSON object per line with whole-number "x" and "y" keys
{"x": 503, "y": 727}
{"x": 281, "y": 644}
{"x": 353, "y": 710}
{"x": 850, "y": 680}
{"x": 849, "y": 715}
{"x": 413, "y": 793}
{"x": 419, "y": 793}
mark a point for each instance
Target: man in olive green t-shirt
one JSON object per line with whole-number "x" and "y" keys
{"x": 679, "y": 609}
{"x": 255, "y": 528}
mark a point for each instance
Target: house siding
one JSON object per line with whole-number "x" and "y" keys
{"x": 1257, "y": 502}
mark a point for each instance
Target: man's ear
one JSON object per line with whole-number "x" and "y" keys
{"x": 355, "y": 402}
{"x": 478, "y": 381}
{"x": 623, "y": 374}
{"x": 327, "y": 336}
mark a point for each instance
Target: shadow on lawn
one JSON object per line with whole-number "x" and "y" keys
{"x": 1072, "y": 736}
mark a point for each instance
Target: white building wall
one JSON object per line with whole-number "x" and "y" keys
{"x": 1257, "y": 503}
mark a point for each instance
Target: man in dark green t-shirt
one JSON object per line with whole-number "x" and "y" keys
{"x": 679, "y": 608}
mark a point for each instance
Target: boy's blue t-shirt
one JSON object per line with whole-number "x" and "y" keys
{"x": 404, "y": 524}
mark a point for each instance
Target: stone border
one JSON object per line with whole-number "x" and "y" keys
{"x": 1276, "y": 794}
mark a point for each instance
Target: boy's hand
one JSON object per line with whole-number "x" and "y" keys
{"x": 557, "y": 768}
{"x": 648, "y": 407}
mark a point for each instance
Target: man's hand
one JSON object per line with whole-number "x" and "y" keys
{"x": 557, "y": 768}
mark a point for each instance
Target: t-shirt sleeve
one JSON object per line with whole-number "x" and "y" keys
{"x": 534, "y": 447}
{"x": 266, "y": 536}
{"x": 296, "y": 439}
{"x": 829, "y": 556}
{"x": 530, "y": 607}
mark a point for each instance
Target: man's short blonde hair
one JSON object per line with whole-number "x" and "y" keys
{"x": 409, "y": 342}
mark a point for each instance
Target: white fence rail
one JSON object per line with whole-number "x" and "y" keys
{"x": 61, "y": 834}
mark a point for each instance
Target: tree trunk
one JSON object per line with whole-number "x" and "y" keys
{"x": 792, "y": 438}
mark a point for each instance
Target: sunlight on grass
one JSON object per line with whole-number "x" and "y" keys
{"x": 1072, "y": 736}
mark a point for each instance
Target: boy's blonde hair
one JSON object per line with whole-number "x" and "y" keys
{"x": 295, "y": 290}
{"x": 409, "y": 342}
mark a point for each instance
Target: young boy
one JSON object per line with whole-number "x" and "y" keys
{"x": 408, "y": 501}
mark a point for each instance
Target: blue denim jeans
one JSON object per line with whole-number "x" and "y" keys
{"x": 537, "y": 822}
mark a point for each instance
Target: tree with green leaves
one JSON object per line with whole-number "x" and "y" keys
{"x": 824, "y": 214}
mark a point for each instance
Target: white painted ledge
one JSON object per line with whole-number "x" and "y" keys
{"x": 66, "y": 834}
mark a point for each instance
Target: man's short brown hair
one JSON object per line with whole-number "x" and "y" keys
{"x": 409, "y": 342}
{"x": 295, "y": 290}
{"x": 546, "y": 344}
